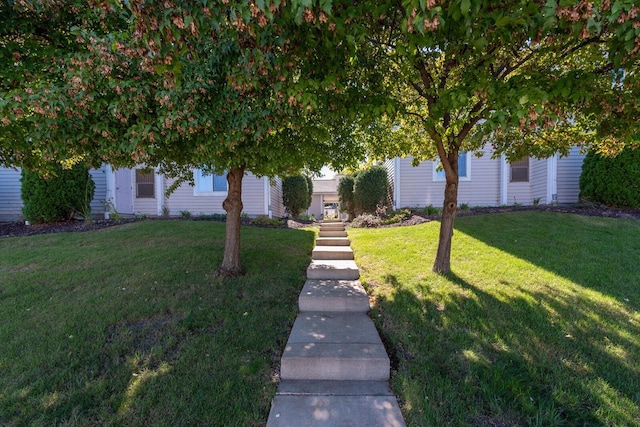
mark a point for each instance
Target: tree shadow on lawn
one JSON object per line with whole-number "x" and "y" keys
{"x": 475, "y": 358}
{"x": 197, "y": 350}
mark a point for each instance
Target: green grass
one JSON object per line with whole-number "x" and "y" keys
{"x": 538, "y": 323}
{"x": 129, "y": 326}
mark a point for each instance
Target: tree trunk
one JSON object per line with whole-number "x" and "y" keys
{"x": 231, "y": 266}
{"x": 442, "y": 264}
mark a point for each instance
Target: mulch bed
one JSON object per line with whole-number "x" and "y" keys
{"x": 15, "y": 229}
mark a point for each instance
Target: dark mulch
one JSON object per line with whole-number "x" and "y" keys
{"x": 15, "y": 229}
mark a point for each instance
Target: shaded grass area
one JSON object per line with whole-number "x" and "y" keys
{"x": 538, "y": 323}
{"x": 129, "y": 326}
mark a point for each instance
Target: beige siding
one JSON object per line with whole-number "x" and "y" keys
{"x": 419, "y": 189}
{"x": 569, "y": 171}
{"x": 317, "y": 206}
{"x": 277, "y": 208}
{"x": 186, "y": 199}
{"x": 538, "y": 179}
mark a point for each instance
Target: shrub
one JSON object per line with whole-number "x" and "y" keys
{"x": 366, "y": 221}
{"x": 265, "y": 221}
{"x": 613, "y": 181}
{"x": 295, "y": 194}
{"x": 370, "y": 189}
{"x": 60, "y": 197}
{"x": 431, "y": 210}
{"x": 345, "y": 195}
{"x": 396, "y": 217}
{"x": 309, "y": 190}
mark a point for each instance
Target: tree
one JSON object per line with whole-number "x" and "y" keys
{"x": 527, "y": 77}
{"x": 295, "y": 194}
{"x": 233, "y": 87}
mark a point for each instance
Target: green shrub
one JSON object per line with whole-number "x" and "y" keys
{"x": 265, "y": 221}
{"x": 370, "y": 189}
{"x": 309, "y": 190}
{"x": 396, "y": 217}
{"x": 345, "y": 195}
{"x": 431, "y": 210}
{"x": 613, "y": 181}
{"x": 295, "y": 194}
{"x": 60, "y": 197}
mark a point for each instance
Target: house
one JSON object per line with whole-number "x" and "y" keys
{"x": 138, "y": 191}
{"x": 324, "y": 201}
{"x": 485, "y": 181}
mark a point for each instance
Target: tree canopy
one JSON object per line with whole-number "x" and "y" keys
{"x": 527, "y": 77}
{"x": 235, "y": 87}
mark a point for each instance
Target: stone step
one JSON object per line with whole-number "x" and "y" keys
{"x": 333, "y": 295}
{"x": 332, "y": 241}
{"x": 334, "y": 388}
{"x": 332, "y": 252}
{"x": 333, "y": 270}
{"x": 336, "y": 346}
{"x": 332, "y": 233}
{"x": 335, "y": 411}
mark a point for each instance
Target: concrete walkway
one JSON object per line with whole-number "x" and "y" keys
{"x": 334, "y": 370}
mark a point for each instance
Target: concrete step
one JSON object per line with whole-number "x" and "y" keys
{"x": 335, "y": 411}
{"x": 333, "y": 233}
{"x": 344, "y": 346}
{"x": 332, "y": 241}
{"x": 334, "y": 388}
{"x": 333, "y": 295}
{"x": 331, "y": 226}
{"x": 333, "y": 270}
{"x": 332, "y": 252}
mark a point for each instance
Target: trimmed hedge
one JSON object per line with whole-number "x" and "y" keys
{"x": 67, "y": 193}
{"x": 296, "y": 196}
{"x": 613, "y": 181}
{"x": 370, "y": 189}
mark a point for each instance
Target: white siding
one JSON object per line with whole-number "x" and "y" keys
{"x": 10, "y": 199}
{"x": 519, "y": 192}
{"x": 390, "y": 165}
{"x": 569, "y": 171}
{"x": 538, "y": 179}
{"x": 185, "y": 199}
{"x": 277, "y": 208}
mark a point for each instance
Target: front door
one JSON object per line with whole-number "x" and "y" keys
{"x": 124, "y": 191}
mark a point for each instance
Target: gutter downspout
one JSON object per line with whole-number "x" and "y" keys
{"x": 504, "y": 180}
{"x": 267, "y": 197}
{"x": 552, "y": 179}
{"x": 396, "y": 183}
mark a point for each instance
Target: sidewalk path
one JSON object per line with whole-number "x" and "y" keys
{"x": 334, "y": 370}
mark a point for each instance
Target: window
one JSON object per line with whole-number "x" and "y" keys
{"x": 463, "y": 168}
{"x": 209, "y": 182}
{"x": 520, "y": 170}
{"x": 145, "y": 184}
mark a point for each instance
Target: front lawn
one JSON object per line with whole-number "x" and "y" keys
{"x": 538, "y": 324}
{"x": 129, "y": 326}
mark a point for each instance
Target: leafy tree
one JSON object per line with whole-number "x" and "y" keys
{"x": 346, "y": 201}
{"x": 370, "y": 189}
{"x": 240, "y": 86}
{"x": 295, "y": 194}
{"x": 612, "y": 181}
{"x": 58, "y": 197}
{"x": 528, "y": 77}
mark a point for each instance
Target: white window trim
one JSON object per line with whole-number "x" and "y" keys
{"x": 438, "y": 178}
{"x": 197, "y": 193}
